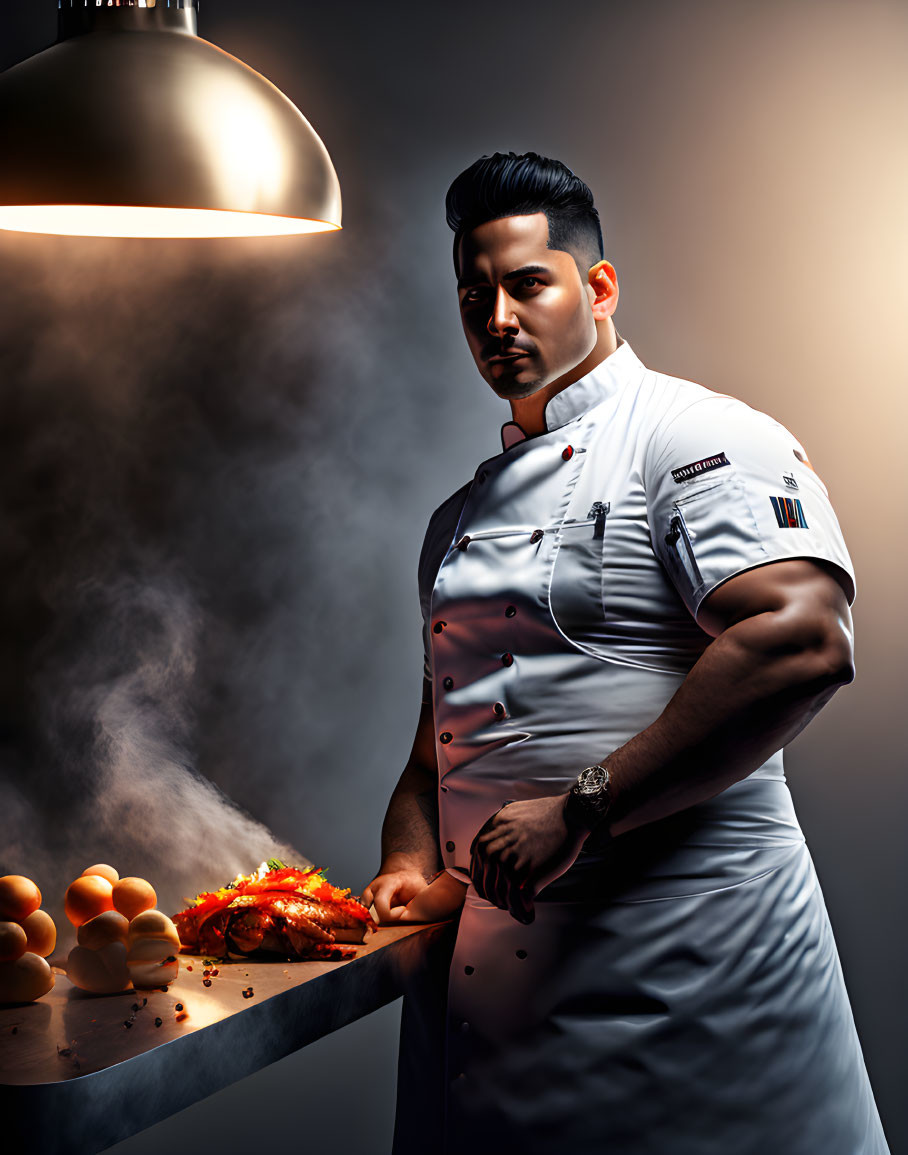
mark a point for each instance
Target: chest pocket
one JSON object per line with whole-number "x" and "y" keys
{"x": 576, "y": 583}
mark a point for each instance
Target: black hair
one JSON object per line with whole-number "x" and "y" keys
{"x": 507, "y": 185}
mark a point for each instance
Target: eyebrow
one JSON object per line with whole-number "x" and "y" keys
{"x": 524, "y": 271}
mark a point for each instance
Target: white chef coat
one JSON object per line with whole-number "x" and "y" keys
{"x": 680, "y": 992}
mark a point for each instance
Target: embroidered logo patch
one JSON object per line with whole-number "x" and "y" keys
{"x": 705, "y": 465}
{"x": 790, "y": 480}
{"x": 789, "y": 512}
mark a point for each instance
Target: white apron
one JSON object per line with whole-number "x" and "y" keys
{"x": 680, "y": 993}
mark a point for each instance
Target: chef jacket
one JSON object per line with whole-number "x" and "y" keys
{"x": 560, "y": 590}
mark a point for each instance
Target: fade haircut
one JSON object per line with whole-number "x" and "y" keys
{"x": 508, "y": 185}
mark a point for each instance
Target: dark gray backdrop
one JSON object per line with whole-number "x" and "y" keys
{"x": 217, "y": 459}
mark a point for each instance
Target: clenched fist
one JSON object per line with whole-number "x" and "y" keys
{"x": 521, "y": 849}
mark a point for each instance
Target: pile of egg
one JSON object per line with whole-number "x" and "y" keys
{"x": 27, "y": 937}
{"x": 122, "y": 939}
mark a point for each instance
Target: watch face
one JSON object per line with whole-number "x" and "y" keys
{"x": 592, "y": 780}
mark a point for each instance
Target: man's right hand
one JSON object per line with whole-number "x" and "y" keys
{"x": 391, "y": 890}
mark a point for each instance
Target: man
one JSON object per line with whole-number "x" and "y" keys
{"x": 628, "y": 613}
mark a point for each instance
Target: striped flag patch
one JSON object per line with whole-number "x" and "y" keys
{"x": 789, "y": 512}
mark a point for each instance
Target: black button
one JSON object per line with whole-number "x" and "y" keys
{"x": 536, "y": 535}
{"x": 498, "y": 710}
{"x": 468, "y": 970}
{"x": 449, "y": 845}
{"x": 438, "y": 627}
{"x": 444, "y": 789}
{"x": 521, "y": 953}
{"x": 445, "y": 737}
{"x": 507, "y": 659}
{"x": 448, "y": 683}
{"x": 464, "y": 1028}
{"x": 568, "y": 453}
{"x": 510, "y": 611}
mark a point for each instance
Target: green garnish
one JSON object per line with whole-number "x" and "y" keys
{"x": 276, "y": 864}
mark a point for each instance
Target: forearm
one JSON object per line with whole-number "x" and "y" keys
{"x": 754, "y": 688}
{"x": 409, "y": 836}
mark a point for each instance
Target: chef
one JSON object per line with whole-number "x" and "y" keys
{"x": 628, "y": 612}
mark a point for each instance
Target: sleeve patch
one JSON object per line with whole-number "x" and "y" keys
{"x": 696, "y": 468}
{"x": 789, "y": 512}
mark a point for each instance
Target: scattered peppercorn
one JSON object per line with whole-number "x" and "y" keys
{"x": 158, "y": 1022}
{"x": 189, "y": 968}
{"x": 182, "y": 1015}
{"x": 206, "y": 973}
{"x": 127, "y": 1024}
{"x": 248, "y": 993}
{"x": 206, "y": 982}
{"x": 215, "y": 971}
{"x": 178, "y": 1007}
{"x": 135, "y": 1006}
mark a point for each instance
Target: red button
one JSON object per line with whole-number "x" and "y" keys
{"x": 568, "y": 453}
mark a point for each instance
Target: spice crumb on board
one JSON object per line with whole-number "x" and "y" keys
{"x": 248, "y": 993}
{"x": 158, "y": 1022}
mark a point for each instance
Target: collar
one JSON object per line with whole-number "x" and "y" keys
{"x": 602, "y": 381}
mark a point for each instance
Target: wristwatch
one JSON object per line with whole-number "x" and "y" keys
{"x": 587, "y": 805}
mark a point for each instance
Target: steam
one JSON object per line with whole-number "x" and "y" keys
{"x": 146, "y": 494}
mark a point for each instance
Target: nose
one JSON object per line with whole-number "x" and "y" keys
{"x": 503, "y": 318}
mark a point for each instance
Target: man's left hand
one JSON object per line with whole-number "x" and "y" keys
{"x": 521, "y": 849}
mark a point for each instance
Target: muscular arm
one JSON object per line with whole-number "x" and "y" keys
{"x": 409, "y": 837}
{"x": 782, "y": 646}
{"x": 409, "y": 833}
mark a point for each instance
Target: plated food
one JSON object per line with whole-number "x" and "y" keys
{"x": 280, "y": 910}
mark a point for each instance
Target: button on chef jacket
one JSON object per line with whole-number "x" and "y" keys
{"x": 679, "y": 993}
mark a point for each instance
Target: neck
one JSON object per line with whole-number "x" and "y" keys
{"x": 529, "y": 412}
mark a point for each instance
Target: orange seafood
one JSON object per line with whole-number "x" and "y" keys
{"x": 277, "y": 909}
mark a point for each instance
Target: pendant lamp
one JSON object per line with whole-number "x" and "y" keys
{"x": 131, "y": 125}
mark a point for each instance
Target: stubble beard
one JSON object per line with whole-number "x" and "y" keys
{"x": 514, "y": 390}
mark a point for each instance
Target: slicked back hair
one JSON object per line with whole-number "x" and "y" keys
{"x": 508, "y": 185}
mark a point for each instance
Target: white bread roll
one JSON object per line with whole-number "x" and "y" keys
{"x": 25, "y": 979}
{"x": 102, "y": 971}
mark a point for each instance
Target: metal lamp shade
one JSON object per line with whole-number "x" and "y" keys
{"x": 135, "y": 126}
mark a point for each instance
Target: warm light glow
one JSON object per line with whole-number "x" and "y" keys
{"x": 241, "y": 133}
{"x": 144, "y": 221}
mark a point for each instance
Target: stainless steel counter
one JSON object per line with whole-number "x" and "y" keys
{"x": 79, "y": 1072}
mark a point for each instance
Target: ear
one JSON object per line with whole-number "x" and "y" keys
{"x": 604, "y": 282}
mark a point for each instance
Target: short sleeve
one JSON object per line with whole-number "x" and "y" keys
{"x": 729, "y": 489}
